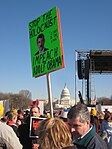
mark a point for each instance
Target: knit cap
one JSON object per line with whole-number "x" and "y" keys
{"x": 93, "y": 112}
{"x": 1, "y": 109}
{"x": 14, "y": 111}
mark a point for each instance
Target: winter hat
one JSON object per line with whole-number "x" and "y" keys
{"x": 48, "y": 115}
{"x": 1, "y": 109}
{"x": 36, "y": 102}
{"x": 93, "y": 112}
{"x": 64, "y": 113}
{"x": 14, "y": 111}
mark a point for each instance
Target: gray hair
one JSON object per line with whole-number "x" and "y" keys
{"x": 79, "y": 110}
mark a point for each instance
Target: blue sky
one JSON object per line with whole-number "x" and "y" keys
{"x": 86, "y": 24}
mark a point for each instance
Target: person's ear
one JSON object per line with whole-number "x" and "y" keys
{"x": 88, "y": 122}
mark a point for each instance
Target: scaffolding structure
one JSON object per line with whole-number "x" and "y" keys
{"x": 90, "y": 62}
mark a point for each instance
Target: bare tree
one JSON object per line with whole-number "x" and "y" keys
{"x": 16, "y": 101}
{"x": 26, "y": 93}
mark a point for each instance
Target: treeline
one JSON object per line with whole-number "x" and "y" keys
{"x": 17, "y": 101}
{"x": 105, "y": 100}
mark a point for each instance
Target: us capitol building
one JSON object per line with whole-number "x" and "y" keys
{"x": 65, "y": 100}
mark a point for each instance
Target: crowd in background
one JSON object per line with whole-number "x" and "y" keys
{"x": 103, "y": 124}
{"x": 72, "y": 128}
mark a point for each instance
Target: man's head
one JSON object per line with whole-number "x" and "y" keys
{"x": 40, "y": 42}
{"x": 79, "y": 120}
{"x": 35, "y": 111}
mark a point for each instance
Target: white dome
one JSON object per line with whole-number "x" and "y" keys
{"x": 65, "y": 93}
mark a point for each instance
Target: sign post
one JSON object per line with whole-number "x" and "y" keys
{"x": 49, "y": 94}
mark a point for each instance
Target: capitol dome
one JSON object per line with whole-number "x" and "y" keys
{"x": 65, "y": 93}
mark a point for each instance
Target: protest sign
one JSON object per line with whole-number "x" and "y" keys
{"x": 34, "y": 124}
{"x": 46, "y": 43}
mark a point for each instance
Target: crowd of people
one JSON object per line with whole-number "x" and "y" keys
{"x": 74, "y": 128}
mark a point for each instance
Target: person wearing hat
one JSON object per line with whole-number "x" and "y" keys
{"x": 63, "y": 115}
{"x": 24, "y": 129}
{"x": 93, "y": 112}
{"x": 8, "y": 138}
{"x": 1, "y": 110}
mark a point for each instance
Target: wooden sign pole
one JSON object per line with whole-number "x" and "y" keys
{"x": 49, "y": 94}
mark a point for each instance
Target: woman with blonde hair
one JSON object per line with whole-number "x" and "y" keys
{"x": 54, "y": 134}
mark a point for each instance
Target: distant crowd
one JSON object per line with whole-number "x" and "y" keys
{"x": 74, "y": 128}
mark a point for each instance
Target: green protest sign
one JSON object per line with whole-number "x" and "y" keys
{"x": 46, "y": 43}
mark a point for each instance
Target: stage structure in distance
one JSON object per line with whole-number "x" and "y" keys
{"x": 91, "y": 62}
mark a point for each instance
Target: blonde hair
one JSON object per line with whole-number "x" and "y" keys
{"x": 54, "y": 133}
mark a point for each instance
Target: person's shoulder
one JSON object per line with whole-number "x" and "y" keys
{"x": 42, "y": 116}
{"x": 14, "y": 126}
{"x": 23, "y": 126}
{"x": 99, "y": 141}
{"x": 6, "y": 130}
{"x": 4, "y": 127}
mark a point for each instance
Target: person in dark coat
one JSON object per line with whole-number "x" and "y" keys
{"x": 24, "y": 129}
{"x": 84, "y": 134}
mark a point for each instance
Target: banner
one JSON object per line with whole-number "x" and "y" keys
{"x": 46, "y": 43}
